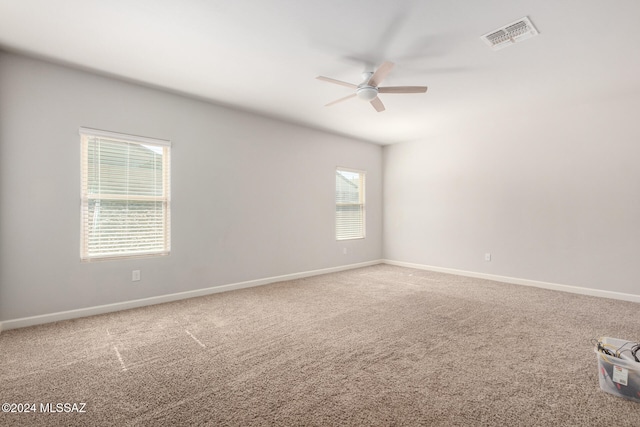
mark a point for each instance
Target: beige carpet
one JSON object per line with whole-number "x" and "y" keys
{"x": 378, "y": 346}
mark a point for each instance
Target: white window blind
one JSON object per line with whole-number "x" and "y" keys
{"x": 126, "y": 201}
{"x": 350, "y": 208}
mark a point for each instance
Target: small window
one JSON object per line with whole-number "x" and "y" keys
{"x": 126, "y": 200}
{"x": 350, "y": 209}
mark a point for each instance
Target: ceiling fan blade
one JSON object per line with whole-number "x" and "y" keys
{"x": 338, "y": 82}
{"x": 340, "y": 100}
{"x": 377, "y": 104}
{"x": 402, "y": 89}
{"x": 380, "y": 74}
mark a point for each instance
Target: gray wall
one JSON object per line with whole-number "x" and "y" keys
{"x": 252, "y": 197}
{"x": 553, "y": 197}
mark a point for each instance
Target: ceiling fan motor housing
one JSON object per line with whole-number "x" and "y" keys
{"x": 365, "y": 91}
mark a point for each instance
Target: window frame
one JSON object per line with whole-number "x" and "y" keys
{"x": 361, "y": 203}
{"x": 85, "y": 196}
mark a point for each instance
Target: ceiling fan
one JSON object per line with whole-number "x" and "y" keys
{"x": 369, "y": 89}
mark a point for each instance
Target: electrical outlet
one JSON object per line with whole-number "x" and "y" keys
{"x": 487, "y": 256}
{"x": 344, "y": 251}
{"x": 135, "y": 275}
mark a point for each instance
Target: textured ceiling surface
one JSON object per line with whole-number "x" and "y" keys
{"x": 263, "y": 56}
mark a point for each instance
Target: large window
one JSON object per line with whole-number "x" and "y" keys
{"x": 126, "y": 200}
{"x": 350, "y": 212}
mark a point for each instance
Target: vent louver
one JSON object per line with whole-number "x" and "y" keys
{"x": 512, "y": 33}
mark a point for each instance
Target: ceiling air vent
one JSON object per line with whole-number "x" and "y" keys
{"x": 515, "y": 32}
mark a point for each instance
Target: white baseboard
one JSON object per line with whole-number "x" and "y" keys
{"x": 107, "y": 308}
{"x": 516, "y": 281}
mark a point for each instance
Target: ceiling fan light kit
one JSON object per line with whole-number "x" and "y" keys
{"x": 370, "y": 87}
{"x": 367, "y": 93}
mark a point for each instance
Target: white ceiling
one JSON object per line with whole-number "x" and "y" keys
{"x": 264, "y": 55}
